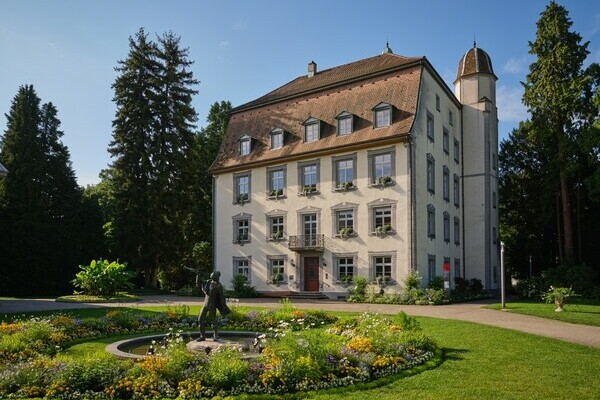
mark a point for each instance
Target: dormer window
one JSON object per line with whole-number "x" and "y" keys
{"x": 245, "y": 145}
{"x": 277, "y": 138}
{"x": 345, "y": 123}
{"x": 312, "y": 130}
{"x": 382, "y": 115}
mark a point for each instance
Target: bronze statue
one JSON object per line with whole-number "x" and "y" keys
{"x": 214, "y": 300}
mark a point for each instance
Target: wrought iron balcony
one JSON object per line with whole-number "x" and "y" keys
{"x": 307, "y": 243}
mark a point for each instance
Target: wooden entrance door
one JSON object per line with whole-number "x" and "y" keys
{"x": 311, "y": 274}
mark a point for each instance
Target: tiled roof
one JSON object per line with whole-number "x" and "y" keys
{"x": 475, "y": 61}
{"x": 355, "y": 88}
{"x": 334, "y": 76}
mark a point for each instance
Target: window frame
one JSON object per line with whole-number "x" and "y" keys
{"x": 269, "y": 183}
{"x": 446, "y": 183}
{"x": 237, "y": 237}
{"x": 374, "y": 180}
{"x": 430, "y": 126}
{"x": 450, "y": 117}
{"x": 437, "y": 102}
{"x": 343, "y": 117}
{"x": 340, "y": 207}
{"x": 269, "y": 217}
{"x": 456, "y": 230}
{"x": 335, "y": 169}
{"x": 380, "y": 204}
{"x": 430, "y": 173}
{"x": 382, "y": 108}
{"x": 446, "y": 227}
{"x": 373, "y": 266}
{"x": 457, "y": 268}
{"x": 337, "y": 266}
{"x": 277, "y": 132}
{"x": 456, "y": 190}
{"x": 248, "y": 259}
{"x": 431, "y": 221}
{"x": 456, "y": 151}
{"x": 311, "y": 123}
{"x": 446, "y": 140}
{"x": 301, "y": 184}
{"x": 245, "y": 145}
{"x": 431, "y": 267}
{"x": 283, "y": 259}
{"x": 237, "y": 177}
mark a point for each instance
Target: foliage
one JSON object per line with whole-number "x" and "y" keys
{"x": 412, "y": 280}
{"x": 40, "y": 201}
{"x": 103, "y": 278}
{"x": 359, "y": 291}
{"x": 241, "y": 288}
{"x": 436, "y": 282}
{"x": 559, "y": 294}
{"x": 582, "y": 279}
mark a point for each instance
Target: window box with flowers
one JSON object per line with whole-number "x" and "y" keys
{"x": 242, "y": 238}
{"x": 346, "y": 280}
{"x": 384, "y": 230}
{"x": 276, "y": 279}
{"x": 309, "y": 191}
{"x": 242, "y": 198}
{"x": 345, "y": 186}
{"x": 276, "y": 236}
{"x": 346, "y": 233}
{"x": 382, "y": 182}
{"x": 275, "y": 194}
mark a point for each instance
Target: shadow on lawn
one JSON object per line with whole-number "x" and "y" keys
{"x": 453, "y": 354}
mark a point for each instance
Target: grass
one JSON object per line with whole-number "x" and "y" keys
{"x": 84, "y": 298}
{"x": 481, "y": 362}
{"x": 577, "y": 311}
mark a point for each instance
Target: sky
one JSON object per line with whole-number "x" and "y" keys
{"x": 68, "y": 49}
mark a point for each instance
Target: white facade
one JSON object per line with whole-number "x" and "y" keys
{"x": 435, "y": 215}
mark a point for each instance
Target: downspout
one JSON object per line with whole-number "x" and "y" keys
{"x": 411, "y": 206}
{"x": 462, "y": 186}
{"x": 214, "y": 205}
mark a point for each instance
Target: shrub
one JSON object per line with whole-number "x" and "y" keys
{"x": 359, "y": 291}
{"x": 531, "y": 288}
{"x": 436, "y": 282}
{"x": 241, "y": 288}
{"x": 226, "y": 369}
{"x": 103, "y": 278}
{"x": 412, "y": 281}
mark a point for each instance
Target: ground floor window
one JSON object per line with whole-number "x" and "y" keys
{"x": 382, "y": 266}
{"x": 242, "y": 266}
{"x": 277, "y": 269}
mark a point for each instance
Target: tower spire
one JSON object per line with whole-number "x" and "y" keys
{"x": 387, "y": 49}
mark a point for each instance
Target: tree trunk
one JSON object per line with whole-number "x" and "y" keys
{"x": 559, "y": 236}
{"x": 567, "y": 219}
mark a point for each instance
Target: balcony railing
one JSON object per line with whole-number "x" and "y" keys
{"x": 307, "y": 243}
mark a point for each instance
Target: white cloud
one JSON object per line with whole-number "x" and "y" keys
{"x": 510, "y": 107}
{"x": 516, "y": 66}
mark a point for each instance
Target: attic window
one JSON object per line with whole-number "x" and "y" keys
{"x": 245, "y": 145}
{"x": 382, "y": 115}
{"x": 345, "y": 123}
{"x": 277, "y": 138}
{"x": 312, "y": 128}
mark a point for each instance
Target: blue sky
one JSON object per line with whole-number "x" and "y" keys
{"x": 242, "y": 49}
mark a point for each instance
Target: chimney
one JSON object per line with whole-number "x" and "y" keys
{"x": 312, "y": 69}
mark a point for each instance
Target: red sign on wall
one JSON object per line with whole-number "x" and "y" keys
{"x": 446, "y": 267}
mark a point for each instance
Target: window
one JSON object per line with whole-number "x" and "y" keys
{"x": 430, "y": 127}
{"x": 382, "y": 166}
{"x": 343, "y": 216}
{"x": 494, "y": 235}
{"x": 456, "y": 230}
{"x": 494, "y": 199}
{"x": 456, "y": 151}
{"x": 456, "y": 191}
{"x": 382, "y": 115}
{"x": 312, "y": 128}
{"x": 431, "y": 221}
{"x": 277, "y": 138}
{"x": 345, "y": 222}
{"x": 276, "y": 221}
{"x": 345, "y": 122}
{"x": 446, "y": 227}
{"x": 382, "y": 266}
{"x": 277, "y": 227}
{"x": 437, "y": 102}
{"x": 450, "y": 117}
{"x": 344, "y": 172}
{"x": 430, "y": 173}
{"x": 345, "y": 268}
{"x": 494, "y": 161}
{"x": 308, "y": 177}
{"x": 241, "y": 190}
{"x": 276, "y": 180}
{"x": 382, "y": 214}
{"x": 430, "y": 267}
{"x": 241, "y": 228}
{"x": 446, "y": 183}
{"x": 244, "y": 145}
{"x": 457, "y": 267}
{"x": 446, "y": 141}
{"x": 242, "y": 266}
{"x": 276, "y": 269}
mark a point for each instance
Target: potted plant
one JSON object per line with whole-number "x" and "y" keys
{"x": 242, "y": 237}
{"x": 276, "y": 193}
{"x": 345, "y": 232}
{"x": 306, "y": 190}
{"x": 387, "y": 228}
{"x": 242, "y": 198}
{"x": 277, "y": 235}
{"x": 384, "y": 180}
{"x": 346, "y": 280}
{"x": 276, "y": 278}
{"x": 558, "y": 295}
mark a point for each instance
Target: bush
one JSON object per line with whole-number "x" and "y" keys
{"x": 436, "y": 282}
{"x": 581, "y": 278}
{"x": 359, "y": 291}
{"x": 103, "y": 278}
{"x": 412, "y": 281}
{"x": 241, "y": 288}
{"x": 226, "y": 369}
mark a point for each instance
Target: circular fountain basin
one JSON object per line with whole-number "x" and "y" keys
{"x": 138, "y": 347}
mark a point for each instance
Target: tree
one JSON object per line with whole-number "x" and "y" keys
{"x": 39, "y": 198}
{"x": 153, "y": 139}
{"x": 555, "y": 92}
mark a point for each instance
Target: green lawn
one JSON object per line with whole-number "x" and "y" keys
{"x": 576, "y": 311}
{"x": 482, "y": 362}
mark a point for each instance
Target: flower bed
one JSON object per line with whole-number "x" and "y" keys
{"x": 304, "y": 352}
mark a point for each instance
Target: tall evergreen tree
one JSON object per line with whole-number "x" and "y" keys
{"x": 555, "y": 92}
{"x": 40, "y": 198}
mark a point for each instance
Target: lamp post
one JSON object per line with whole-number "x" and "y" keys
{"x": 502, "y": 275}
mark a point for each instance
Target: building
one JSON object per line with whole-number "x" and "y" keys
{"x": 371, "y": 168}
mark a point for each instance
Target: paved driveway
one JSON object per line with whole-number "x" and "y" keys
{"x": 582, "y": 334}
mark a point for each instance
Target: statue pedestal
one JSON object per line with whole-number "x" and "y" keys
{"x": 209, "y": 345}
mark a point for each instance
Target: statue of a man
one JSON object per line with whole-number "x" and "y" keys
{"x": 214, "y": 300}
